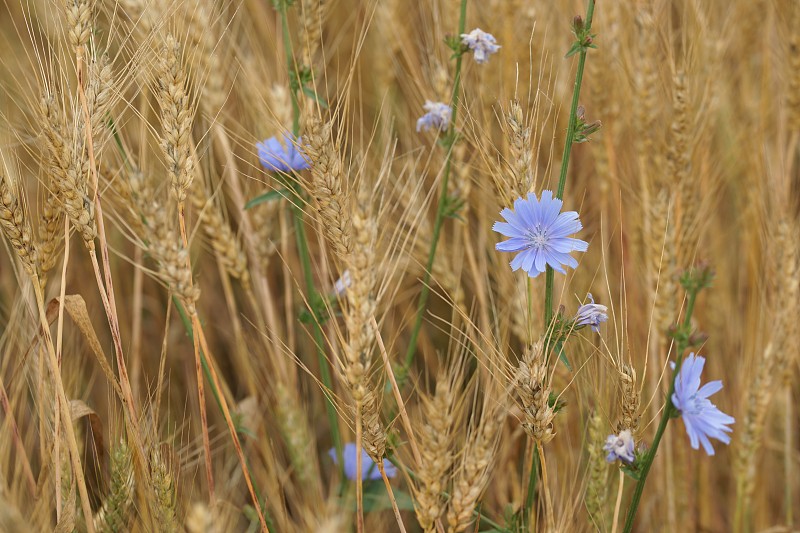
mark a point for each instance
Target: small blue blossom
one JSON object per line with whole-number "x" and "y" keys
{"x": 437, "y": 117}
{"x": 282, "y": 157}
{"x": 539, "y": 231}
{"x": 368, "y": 468}
{"x": 481, "y": 43}
{"x": 341, "y": 285}
{"x": 591, "y": 314}
{"x": 701, "y": 417}
{"x": 620, "y": 447}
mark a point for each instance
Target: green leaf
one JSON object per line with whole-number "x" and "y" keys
{"x": 267, "y": 197}
{"x": 318, "y": 311}
{"x": 562, "y": 355}
{"x": 576, "y": 47}
{"x": 452, "y": 206}
{"x": 311, "y": 93}
{"x": 631, "y": 473}
{"x": 556, "y": 402}
{"x": 377, "y": 499}
{"x": 306, "y": 317}
{"x": 454, "y": 43}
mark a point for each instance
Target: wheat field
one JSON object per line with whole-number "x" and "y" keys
{"x": 255, "y": 265}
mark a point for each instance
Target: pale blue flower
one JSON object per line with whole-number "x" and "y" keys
{"x": 481, "y": 43}
{"x": 368, "y": 468}
{"x": 701, "y": 417}
{"x": 437, "y": 117}
{"x": 591, "y": 314}
{"x": 620, "y": 447}
{"x": 282, "y": 157}
{"x": 539, "y": 232}
{"x": 341, "y": 285}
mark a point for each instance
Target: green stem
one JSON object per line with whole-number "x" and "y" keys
{"x": 489, "y": 522}
{"x": 548, "y": 299}
{"x": 319, "y": 339}
{"x": 437, "y": 224}
{"x": 291, "y": 66}
{"x": 534, "y": 474}
{"x": 305, "y": 255}
{"x": 562, "y": 181}
{"x": 562, "y": 178}
{"x": 669, "y": 411}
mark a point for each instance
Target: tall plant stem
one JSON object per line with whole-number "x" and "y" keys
{"x": 562, "y": 178}
{"x": 398, "y": 397}
{"x": 548, "y": 502}
{"x": 105, "y": 284}
{"x": 618, "y": 504}
{"x": 319, "y": 338}
{"x": 562, "y": 181}
{"x": 533, "y": 476}
{"x": 201, "y": 346}
{"x": 201, "y": 394}
{"x": 788, "y": 454}
{"x": 359, "y": 472}
{"x": 64, "y": 410}
{"x": 665, "y": 416}
{"x": 398, "y": 518}
{"x": 305, "y": 256}
{"x": 440, "y": 209}
{"x": 59, "y": 339}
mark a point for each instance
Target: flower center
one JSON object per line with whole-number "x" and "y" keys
{"x": 538, "y": 236}
{"x": 695, "y": 405}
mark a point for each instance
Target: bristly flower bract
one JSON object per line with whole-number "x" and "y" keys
{"x": 481, "y": 43}
{"x": 437, "y": 116}
{"x": 703, "y": 420}
{"x": 282, "y": 157}
{"x": 540, "y": 233}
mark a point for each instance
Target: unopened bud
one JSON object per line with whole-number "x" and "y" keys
{"x": 577, "y": 23}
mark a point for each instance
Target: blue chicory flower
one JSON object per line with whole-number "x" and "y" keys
{"x": 539, "y": 231}
{"x": 591, "y": 314}
{"x": 701, "y": 417}
{"x": 341, "y": 285}
{"x": 368, "y": 468}
{"x": 282, "y": 157}
{"x": 481, "y": 43}
{"x": 620, "y": 447}
{"x": 437, "y": 117}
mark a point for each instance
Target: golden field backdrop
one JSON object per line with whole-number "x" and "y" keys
{"x": 173, "y": 345}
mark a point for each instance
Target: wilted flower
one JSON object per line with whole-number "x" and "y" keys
{"x": 368, "y": 468}
{"x": 282, "y": 157}
{"x": 591, "y": 314}
{"x": 481, "y": 43}
{"x": 620, "y": 447}
{"x": 539, "y": 231}
{"x": 701, "y": 417}
{"x": 437, "y": 117}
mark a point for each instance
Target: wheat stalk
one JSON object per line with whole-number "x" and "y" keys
{"x": 176, "y": 118}
{"x": 16, "y": 226}
{"x": 473, "y": 472}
